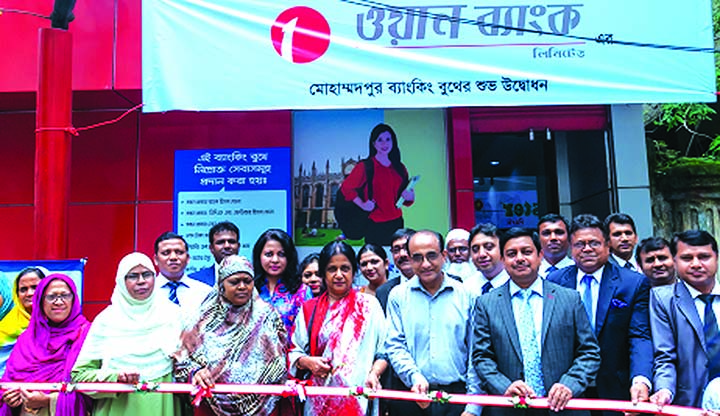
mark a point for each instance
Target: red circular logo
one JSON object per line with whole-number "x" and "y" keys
{"x": 300, "y": 34}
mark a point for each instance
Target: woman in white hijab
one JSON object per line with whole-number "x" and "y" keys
{"x": 131, "y": 342}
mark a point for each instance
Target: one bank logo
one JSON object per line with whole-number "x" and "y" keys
{"x": 300, "y": 34}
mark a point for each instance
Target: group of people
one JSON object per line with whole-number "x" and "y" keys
{"x": 564, "y": 311}
{"x": 640, "y": 320}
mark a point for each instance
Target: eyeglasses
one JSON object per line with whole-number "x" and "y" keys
{"x": 65, "y": 297}
{"x": 461, "y": 249}
{"x": 431, "y": 256}
{"x": 134, "y": 277}
{"x": 397, "y": 249}
{"x": 579, "y": 245}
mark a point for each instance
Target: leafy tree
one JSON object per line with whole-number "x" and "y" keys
{"x": 686, "y": 136}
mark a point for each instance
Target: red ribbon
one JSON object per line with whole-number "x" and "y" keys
{"x": 202, "y": 393}
{"x": 296, "y": 388}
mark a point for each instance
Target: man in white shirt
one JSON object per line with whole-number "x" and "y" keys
{"x": 457, "y": 254}
{"x": 557, "y": 355}
{"x": 623, "y": 239}
{"x": 684, "y": 321}
{"x": 555, "y": 243}
{"x": 654, "y": 257}
{"x": 171, "y": 258}
{"x": 485, "y": 255}
{"x": 616, "y": 302}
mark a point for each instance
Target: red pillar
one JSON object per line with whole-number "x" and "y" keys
{"x": 52, "y": 147}
{"x": 462, "y": 195}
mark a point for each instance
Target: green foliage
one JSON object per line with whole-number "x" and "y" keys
{"x": 674, "y": 116}
{"x": 713, "y": 151}
{"x": 683, "y": 137}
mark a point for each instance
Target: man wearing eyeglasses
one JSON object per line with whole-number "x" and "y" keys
{"x": 616, "y": 301}
{"x": 401, "y": 261}
{"x": 171, "y": 258}
{"x": 457, "y": 254}
{"x": 555, "y": 243}
{"x": 427, "y": 354}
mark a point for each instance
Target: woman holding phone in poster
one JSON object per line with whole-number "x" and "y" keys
{"x": 388, "y": 178}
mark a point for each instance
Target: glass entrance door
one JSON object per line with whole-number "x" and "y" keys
{"x": 518, "y": 177}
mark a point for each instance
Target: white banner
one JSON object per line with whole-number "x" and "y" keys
{"x": 260, "y": 54}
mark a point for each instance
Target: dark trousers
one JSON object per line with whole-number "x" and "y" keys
{"x": 381, "y": 232}
{"x": 592, "y": 393}
{"x": 407, "y": 408}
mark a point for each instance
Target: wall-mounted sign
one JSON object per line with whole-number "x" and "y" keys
{"x": 319, "y": 54}
{"x": 250, "y": 187}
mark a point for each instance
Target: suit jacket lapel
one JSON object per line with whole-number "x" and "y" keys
{"x": 548, "y": 306}
{"x": 506, "y": 312}
{"x": 608, "y": 286}
{"x": 686, "y": 305}
{"x": 570, "y": 278}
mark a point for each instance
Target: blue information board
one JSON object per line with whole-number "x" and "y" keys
{"x": 249, "y": 187}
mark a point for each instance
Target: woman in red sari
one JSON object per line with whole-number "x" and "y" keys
{"x": 339, "y": 335}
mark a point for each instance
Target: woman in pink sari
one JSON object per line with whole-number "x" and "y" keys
{"x": 46, "y": 352}
{"x": 338, "y": 336}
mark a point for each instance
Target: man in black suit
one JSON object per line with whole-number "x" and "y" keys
{"x": 616, "y": 301}
{"x": 401, "y": 260}
{"x": 622, "y": 237}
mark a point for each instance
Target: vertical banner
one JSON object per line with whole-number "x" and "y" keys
{"x": 249, "y": 187}
{"x": 72, "y": 268}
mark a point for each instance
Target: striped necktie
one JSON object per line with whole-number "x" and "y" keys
{"x": 712, "y": 336}
{"x": 173, "y": 286}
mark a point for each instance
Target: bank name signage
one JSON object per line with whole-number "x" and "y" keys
{"x": 256, "y": 54}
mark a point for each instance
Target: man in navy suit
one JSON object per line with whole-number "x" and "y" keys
{"x": 622, "y": 237}
{"x": 684, "y": 319}
{"x": 616, "y": 301}
{"x": 224, "y": 240}
{"x": 532, "y": 337}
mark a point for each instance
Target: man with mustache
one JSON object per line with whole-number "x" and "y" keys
{"x": 684, "y": 318}
{"x": 457, "y": 254}
{"x": 171, "y": 259}
{"x": 224, "y": 241}
{"x": 553, "y": 233}
{"x": 616, "y": 301}
{"x": 401, "y": 260}
{"x": 656, "y": 261}
{"x": 623, "y": 238}
{"x": 428, "y": 355}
